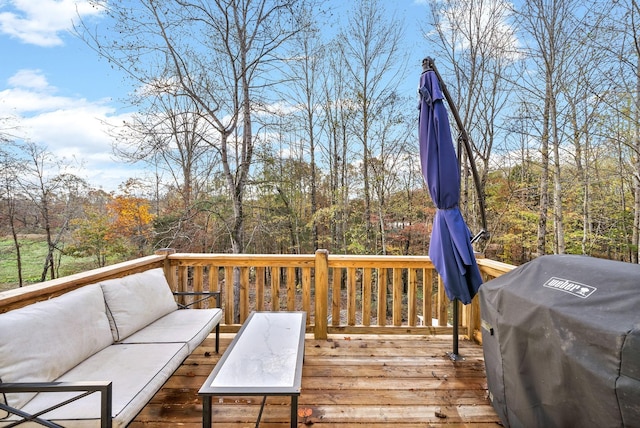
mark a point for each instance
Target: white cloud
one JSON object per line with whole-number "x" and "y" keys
{"x": 74, "y": 129}
{"x": 41, "y": 22}
{"x": 33, "y": 79}
{"x": 29, "y": 92}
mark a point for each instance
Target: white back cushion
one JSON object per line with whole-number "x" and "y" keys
{"x": 42, "y": 341}
{"x": 135, "y": 301}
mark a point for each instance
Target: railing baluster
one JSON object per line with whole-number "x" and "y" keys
{"x": 244, "y": 293}
{"x": 183, "y": 277}
{"x": 427, "y": 296}
{"x": 351, "y": 296}
{"x": 306, "y": 292}
{"x": 442, "y": 303}
{"x": 275, "y": 288}
{"x": 412, "y": 297}
{"x": 214, "y": 283}
{"x": 382, "y": 297}
{"x": 397, "y": 297}
{"x": 229, "y": 314}
{"x": 260, "y": 273}
{"x": 291, "y": 288}
{"x": 336, "y": 296}
{"x": 366, "y": 296}
{"x": 198, "y": 275}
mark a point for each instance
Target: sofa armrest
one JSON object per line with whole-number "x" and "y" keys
{"x": 84, "y": 388}
{"x": 202, "y": 297}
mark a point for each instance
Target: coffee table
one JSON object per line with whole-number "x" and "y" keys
{"x": 265, "y": 358}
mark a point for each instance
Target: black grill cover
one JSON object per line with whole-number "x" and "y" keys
{"x": 561, "y": 341}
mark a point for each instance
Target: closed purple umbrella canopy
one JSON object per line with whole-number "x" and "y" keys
{"x": 450, "y": 249}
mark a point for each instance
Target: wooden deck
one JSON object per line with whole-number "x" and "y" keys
{"x": 375, "y": 381}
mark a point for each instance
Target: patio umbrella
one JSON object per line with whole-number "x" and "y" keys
{"x": 450, "y": 249}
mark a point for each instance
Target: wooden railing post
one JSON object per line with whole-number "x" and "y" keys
{"x": 473, "y": 320}
{"x": 167, "y": 266}
{"x": 322, "y": 293}
{"x": 176, "y": 278}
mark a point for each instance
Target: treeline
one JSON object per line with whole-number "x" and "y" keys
{"x": 274, "y": 135}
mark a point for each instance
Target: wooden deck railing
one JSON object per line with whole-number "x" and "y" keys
{"x": 340, "y": 293}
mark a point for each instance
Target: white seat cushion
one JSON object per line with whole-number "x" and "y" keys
{"x": 137, "y": 372}
{"x": 40, "y": 342}
{"x": 137, "y": 300}
{"x": 190, "y": 326}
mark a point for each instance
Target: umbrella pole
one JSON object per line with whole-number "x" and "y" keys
{"x": 455, "y": 356}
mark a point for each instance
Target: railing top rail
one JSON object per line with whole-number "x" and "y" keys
{"x": 494, "y": 268}
{"x": 334, "y": 260}
{"x": 377, "y": 261}
{"x": 252, "y": 260}
{"x": 47, "y": 289}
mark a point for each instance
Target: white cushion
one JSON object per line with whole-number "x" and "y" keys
{"x": 137, "y": 300}
{"x": 137, "y": 372}
{"x": 190, "y": 326}
{"x": 40, "y": 342}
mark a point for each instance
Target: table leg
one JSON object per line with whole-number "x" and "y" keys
{"x": 294, "y": 411}
{"x": 264, "y": 400}
{"x": 206, "y": 411}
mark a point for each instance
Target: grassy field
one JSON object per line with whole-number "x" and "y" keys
{"x": 33, "y": 249}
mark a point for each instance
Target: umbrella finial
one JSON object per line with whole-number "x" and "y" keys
{"x": 427, "y": 64}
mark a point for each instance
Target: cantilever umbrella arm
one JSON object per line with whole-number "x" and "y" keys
{"x": 428, "y": 64}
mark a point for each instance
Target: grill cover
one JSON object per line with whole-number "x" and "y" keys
{"x": 561, "y": 341}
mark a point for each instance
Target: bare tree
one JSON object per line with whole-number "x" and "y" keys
{"x": 219, "y": 54}
{"x": 621, "y": 48}
{"x": 634, "y": 17}
{"x": 374, "y": 65}
{"x": 390, "y": 138}
{"x": 171, "y": 135}
{"x": 305, "y": 93}
{"x": 222, "y": 54}
{"x": 10, "y": 167}
{"x": 338, "y": 150}
{"x": 475, "y": 43}
{"x": 8, "y": 129}
{"x": 583, "y": 115}
{"x": 55, "y": 193}
{"x": 550, "y": 27}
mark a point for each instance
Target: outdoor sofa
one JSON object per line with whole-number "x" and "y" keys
{"x": 118, "y": 340}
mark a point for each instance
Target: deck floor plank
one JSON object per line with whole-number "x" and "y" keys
{"x": 352, "y": 381}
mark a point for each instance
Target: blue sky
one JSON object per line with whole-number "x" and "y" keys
{"x": 60, "y": 94}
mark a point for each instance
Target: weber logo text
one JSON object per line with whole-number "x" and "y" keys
{"x": 577, "y": 289}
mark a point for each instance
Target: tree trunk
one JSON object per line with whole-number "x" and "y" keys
{"x": 557, "y": 184}
{"x": 14, "y": 235}
{"x": 583, "y": 177}
{"x": 314, "y": 197}
{"x": 365, "y": 170}
{"x": 544, "y": 178}
{"x": 636, "y": 178}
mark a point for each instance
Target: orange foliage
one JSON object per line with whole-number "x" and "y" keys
{"x": 131, "y": 217}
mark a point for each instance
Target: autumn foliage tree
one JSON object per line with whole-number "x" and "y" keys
{"x": 122, "y": 227}
{"x": 131, "y": 218}
{"x": 89, "y": 238}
